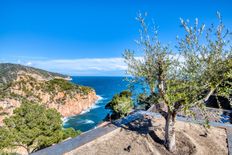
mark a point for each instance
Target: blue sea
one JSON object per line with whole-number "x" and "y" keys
{"x": 105, "y": 88}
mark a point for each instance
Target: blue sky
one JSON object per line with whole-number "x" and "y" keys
{"x": 88, "y": 37}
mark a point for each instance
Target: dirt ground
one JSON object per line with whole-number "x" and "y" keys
{"x": 139, "y": 138}
{"x": 191, "y": 139}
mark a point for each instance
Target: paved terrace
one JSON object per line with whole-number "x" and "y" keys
{"x": 72, "y": 144}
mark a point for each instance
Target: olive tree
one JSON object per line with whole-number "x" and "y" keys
{"x": 182, "y": 77}
{"x": 207, "y": 58}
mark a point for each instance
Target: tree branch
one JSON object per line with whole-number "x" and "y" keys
{"x": 177, "y": 106}
{"x": 160, "y": 110}
{"x": 209, "y": 94}
{"x": 204, "y": 100}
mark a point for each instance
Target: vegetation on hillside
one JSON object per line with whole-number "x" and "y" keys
{"x": 8, "y": 72}
{"x": 31, "y": 89}
{"x": 21, "y": 83}
{"x": 64, "y": 85}
{"x": 33, "y": 127}
{"x": 121, "y": 105}
{"x": 184, "y": 79}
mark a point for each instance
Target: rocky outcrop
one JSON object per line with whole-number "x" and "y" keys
{"x": 56, "y": 92}
{"x": 75, "y": 105}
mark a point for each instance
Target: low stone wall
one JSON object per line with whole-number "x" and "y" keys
{"x": 72, "y": 144}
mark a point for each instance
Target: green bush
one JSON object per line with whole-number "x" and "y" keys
{"x": 121, "y": 104}
{"x": 85, "y": 90}
{"x": 70, "y": 132}
{"x": 63, "y": 85}
{"x": 6, "y": 153}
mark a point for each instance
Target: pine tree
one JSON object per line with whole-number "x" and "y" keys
{"x": 33, "y": 127}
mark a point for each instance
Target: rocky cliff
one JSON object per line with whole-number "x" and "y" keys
{"x": 45, "y": 88}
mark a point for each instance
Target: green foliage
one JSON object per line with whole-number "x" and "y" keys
{"x": 157, "y": 65}
{"x": 185, "y": 79}
{"x": 70, "y": 132}
{"x": 85, "y": 90}
{"x": 121, "y": 104}
{"x": 33, "y": 127}
{"x": 202, "y": 66}
{"x": 6, "y": 153}
{"x": 126, "y": 93}
{"x": 64, "y": 85}
{"x": 208, "y": 59}
{"x": 5, "y": 138}
{"x": 146, "y": 100}
{"x": 31, "y": 88}
{"x": 9, "y": 72}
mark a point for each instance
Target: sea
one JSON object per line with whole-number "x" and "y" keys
{"x": 105, "y": 88}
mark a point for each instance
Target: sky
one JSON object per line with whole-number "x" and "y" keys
{"x": 88, "y": 37}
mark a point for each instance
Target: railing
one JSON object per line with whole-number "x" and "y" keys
{"x": 213, "y": 115}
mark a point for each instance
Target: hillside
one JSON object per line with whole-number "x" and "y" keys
{"x": 8, "y": 72}
{"x": 20, "y": 83}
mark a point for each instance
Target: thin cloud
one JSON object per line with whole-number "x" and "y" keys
{"x": 94, "y": 66}
{"x": 82, "y": 67}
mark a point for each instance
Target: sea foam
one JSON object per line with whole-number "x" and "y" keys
{"x": 65, "y": 120}
{"x": 85, "y": 121}
{"x": 99, "y": 97}
{"x": 94, "y": 106}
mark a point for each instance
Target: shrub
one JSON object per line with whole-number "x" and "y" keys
{"x": 121, "y": 104}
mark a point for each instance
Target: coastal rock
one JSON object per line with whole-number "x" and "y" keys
{"x": 53, "y": 92}
{"x": 75, "y": 105}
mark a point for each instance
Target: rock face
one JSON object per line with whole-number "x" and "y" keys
{"x": 75, "y": 105}
{"x": 53, "y": 92}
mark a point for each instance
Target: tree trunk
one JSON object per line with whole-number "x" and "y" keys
{"x": 170, "y": 138}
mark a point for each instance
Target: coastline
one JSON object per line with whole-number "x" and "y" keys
{"x": 66, "y": 119}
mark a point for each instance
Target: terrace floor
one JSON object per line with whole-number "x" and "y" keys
{"x": 139, "y": 138}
